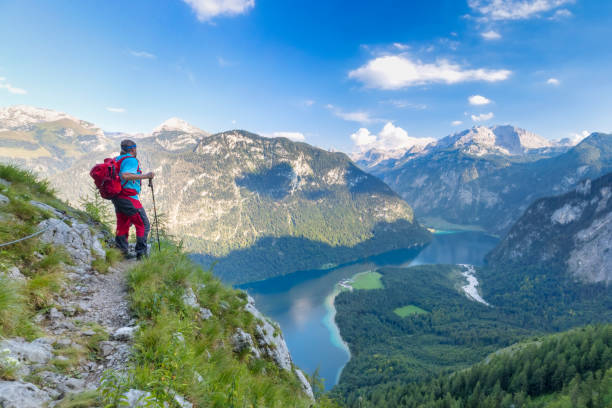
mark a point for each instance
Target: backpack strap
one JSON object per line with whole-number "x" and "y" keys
{"x": 119, "y": 167}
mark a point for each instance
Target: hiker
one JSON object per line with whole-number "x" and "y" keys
{"x": 128, "y": 208}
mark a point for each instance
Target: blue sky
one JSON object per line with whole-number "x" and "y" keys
{"x": 321, "y": 69}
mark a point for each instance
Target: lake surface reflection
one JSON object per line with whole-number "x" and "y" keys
{"x": 301, "y": 302}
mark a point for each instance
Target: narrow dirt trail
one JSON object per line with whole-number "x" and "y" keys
{"x": 95, "y": 301}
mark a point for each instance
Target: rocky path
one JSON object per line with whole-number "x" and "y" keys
{"x": 97, "y": 303}
{"x": 88, "y": 331}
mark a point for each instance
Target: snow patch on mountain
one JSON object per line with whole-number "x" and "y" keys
{"x": 504, "y": 140}
{"x": 566, "y": 214}
{"x": 178, "y": 125}
{"x": 23, "y": 116}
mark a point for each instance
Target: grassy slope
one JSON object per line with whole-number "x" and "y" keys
{"x": 177, "y": 350}
{"x": 161, "y": 362}
{"x": 20, "y": 301}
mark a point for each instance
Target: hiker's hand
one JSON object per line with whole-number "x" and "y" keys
{"x": 149, "y": 175}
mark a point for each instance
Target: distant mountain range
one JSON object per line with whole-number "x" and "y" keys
{"x": 486, "y": 177}
{"x": 260, "y": 206}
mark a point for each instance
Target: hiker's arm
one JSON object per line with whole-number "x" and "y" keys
{"x": 132, "y": 176}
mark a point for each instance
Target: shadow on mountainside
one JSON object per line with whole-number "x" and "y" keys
{"x": 275, "y": 256}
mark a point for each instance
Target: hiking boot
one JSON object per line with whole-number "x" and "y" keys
{"x": 140, "y": 257}
{"x": 129, "y": 255}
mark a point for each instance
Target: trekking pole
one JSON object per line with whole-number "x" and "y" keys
{"x": 155, "y": 214}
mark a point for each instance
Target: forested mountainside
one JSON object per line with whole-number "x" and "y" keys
{"x": 539, "y": 279}
{"x": 80, "y": 328}
{"x": 260, "y": 206}
{"x": 556, "y": 259}
{"x": 480, "y": 179}
{"x": 566, "y": 370}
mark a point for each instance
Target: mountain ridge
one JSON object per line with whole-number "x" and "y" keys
{"x": 225, "y": 192}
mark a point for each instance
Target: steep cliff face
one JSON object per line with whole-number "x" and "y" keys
{"x": 572, "y": 231}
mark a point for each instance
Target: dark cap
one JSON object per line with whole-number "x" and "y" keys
{"x": 127, "y": 144}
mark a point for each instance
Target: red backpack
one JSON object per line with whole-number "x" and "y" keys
{"x": 106, "y": 177}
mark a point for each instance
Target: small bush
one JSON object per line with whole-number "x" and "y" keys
{"x": 8, "y": 366}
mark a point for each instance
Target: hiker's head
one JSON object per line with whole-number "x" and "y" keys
{"x": 128, "y": 146}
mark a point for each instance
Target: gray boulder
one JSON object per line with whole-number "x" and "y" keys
{"x": 4, "y": 199}
{"x": 18, "y": 394}
{"x": 137, "y": 398}
{"x": 39, "y": 351}
{"x": 190, "y": 299}
{"x": 15, "y": 274}
{"x": 242, "y": 341}
{"x": 124, "y": 333}
{"x": 62, "y": 383}
{"x": 78, "y": 239}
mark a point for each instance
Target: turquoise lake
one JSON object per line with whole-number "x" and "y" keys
{"x": 302, "y": 303}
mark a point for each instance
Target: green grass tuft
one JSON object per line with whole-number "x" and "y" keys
{"x": 17, "y": 175}
{"x": 87, "y": 399}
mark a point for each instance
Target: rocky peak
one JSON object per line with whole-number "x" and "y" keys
{"x": 504, "y": 140}
{"x": 176, "y": 134}
{"x": 178, "y": 125}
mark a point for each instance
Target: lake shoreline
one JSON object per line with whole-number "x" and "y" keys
{"x": 329, "y": 320}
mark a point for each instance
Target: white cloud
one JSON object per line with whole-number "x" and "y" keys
{"x": 402, "y": 104}
{"x": 553, "y": 81}
{"x": 482, "y": 117}
{"x": 514, "y": 9}
{"x": 456, "y": 122}
{"x": 308, "y": 102}
{"x": 363, "y": 137}
{"x": 115, "y": 110}
{"x": 391, "y": 137}
{"x": 579, "y": 137}
{"x": 142, "y": 54}
{"x": 357, "y": 116}
{"x": 491, "y": 35}
{"x": 207, "y": 9}
{"x": 561, "y": 14}
{"x": 396, "y": 72}
{"x": 478, "y": 100}
{"x": 10, "y": 88}
{"x": 401, "y": 47}
{"x": 225, "y": 63}
{"x": 295, "y": 136}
